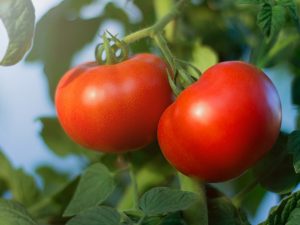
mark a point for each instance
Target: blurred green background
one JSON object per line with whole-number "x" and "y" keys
{"x": 66, "y": 34}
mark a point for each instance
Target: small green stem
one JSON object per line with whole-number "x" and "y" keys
{"x": 141, "y": 220}
{"x": 39, "y": 205}
{"x": 198, "y": 212}
{"x": 239, "y": 197}
{"x": 157, "y": 27}
{"x": 161, "y": 43}
{"x": 133, "y": 183}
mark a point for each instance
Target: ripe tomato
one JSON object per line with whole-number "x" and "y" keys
{"x": 222, "y": 124}
{"x": 114, "y": 108}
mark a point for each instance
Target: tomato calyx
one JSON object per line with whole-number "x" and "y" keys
{"x": 181, "y": 74}
{"x": 111, "y": 51}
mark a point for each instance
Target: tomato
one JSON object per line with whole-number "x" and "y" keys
{"x": 222, "y": 124}
{"x": 114, "y": 108}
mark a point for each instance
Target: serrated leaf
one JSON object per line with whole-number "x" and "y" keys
{"x": 12, "y": 213}
{"x": 284, "y": 212}
{"x": 291, "y": 7}
{"x": 294, "y": 148}
{"x": 275, "y": 171}
{"x": 163, "y": 200}
{"x": 270, "y": 19}
{"x": 18, "y": 18}
{"x": 97, "y": 216}
{"x": 95, "y": 185}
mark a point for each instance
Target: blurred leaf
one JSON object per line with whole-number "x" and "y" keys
{"x": 270, "y": 19}
{"x": 294, "y": 217}
{"x": 61, "y": 33}
{"x": 296, "y": 91}
{"x": 286, "y": 212}
{"x": 52, "y": 179}
{"x": 95, "y": 185}
{"x": 12, "y": 213}
{"x": 221, "y": 211}
{"x": 204, "y": 56}
{"x": 291, "y": 7}
{"x": 275, "y": 171}
{"x": 251, "y": 1}
{"x": 162, "y": 200}
{"x": 293, "y": 146}
{"x": 18, "y": 18}
{"x": 97, "y": 216}
{"x": 57, "y": 140}
{"x": 22, "y": 186}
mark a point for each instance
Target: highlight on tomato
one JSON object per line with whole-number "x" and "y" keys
{"x": 114, "y": 108}
{"x": 222, "y": 124}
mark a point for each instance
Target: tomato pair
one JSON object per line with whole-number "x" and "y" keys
{"x": 216, "y": 129}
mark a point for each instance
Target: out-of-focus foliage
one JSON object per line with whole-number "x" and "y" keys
{"x": 262, "y": 32}
{"x": 19, "y": 29}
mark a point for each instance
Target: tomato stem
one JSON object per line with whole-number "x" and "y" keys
{"x": 199, "y": 211}
{"x": 157, "y": 27}
{"x": 240, "y": 196}
{"x": 133, "y": 182}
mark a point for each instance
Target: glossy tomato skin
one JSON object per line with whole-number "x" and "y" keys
{"x": 222, "y": 124}
{"x": 114, "y": 108}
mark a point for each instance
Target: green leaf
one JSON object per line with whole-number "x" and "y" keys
{"x": 286, "y": 212}
{"x": 251, "y": 1}
{"x": 52, "y": 180}
{"x": 270, "y": 19}
{"x": 18, "y": 18}
{"x": 291, "y": 7}
{"x": 95, "y": 185}
{"x": 294, "y": 217}
{"x": 62, "y": 33}
{"x": 163, "y": 200}
{"x": 275, "y": 171}
{"x": 221, "y": 211}
{"x": 294, "y": 148}
{"x": 58, "y": 141}
{"x": 97, "y": 216}
{"x": 22, "y": 186}
{"x": 12, "y": 213}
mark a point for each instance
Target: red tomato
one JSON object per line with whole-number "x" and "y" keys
{"x": 114, "y": 108}
{"x": 222, "y": 124}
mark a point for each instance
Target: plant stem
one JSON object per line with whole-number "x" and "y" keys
{"x": 198, "y": 212}
{"x": 39, "y": 205}
{"x": 141, "y": 220}
{"x": 133, "y": 183}
{"x": 157, "y": 27}
{"x": 239, "y": 197}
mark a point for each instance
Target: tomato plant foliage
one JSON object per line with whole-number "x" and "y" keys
{"x": 172, "y": 40}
